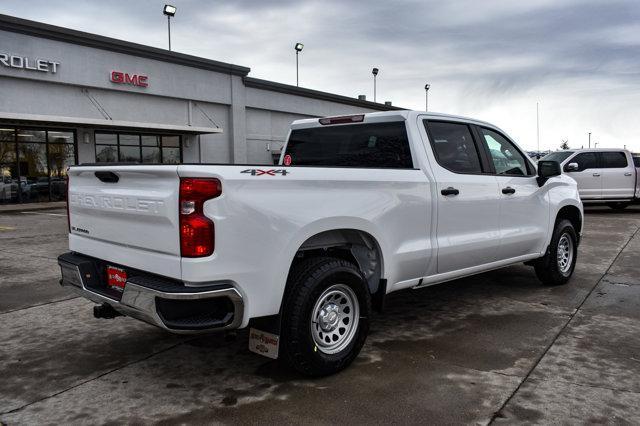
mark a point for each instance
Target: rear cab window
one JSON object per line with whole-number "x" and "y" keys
{"x": 366, "y": 145}
{"x": 614, "y": 160}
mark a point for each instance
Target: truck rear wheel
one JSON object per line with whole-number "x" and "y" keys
{"x": 557, "y": 265}
{"x": 325, "y": 319}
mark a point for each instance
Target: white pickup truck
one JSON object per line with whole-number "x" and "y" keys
{"x": 360, "y": 206}
{"x": 604, "y": 175}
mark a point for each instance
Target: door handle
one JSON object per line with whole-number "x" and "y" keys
{"x": 596, "y": 174}
{"x": 508, "y": 190}
{"x": 449, "y": 191}
{"x": 628, "y": 174}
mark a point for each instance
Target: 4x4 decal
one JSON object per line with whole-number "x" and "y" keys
{"x": 269, "y": 172}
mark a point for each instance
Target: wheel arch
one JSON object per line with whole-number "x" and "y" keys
{"x": 353, "y": 243}
{"x": 573, "y": 214}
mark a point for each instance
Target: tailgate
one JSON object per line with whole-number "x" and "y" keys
{"x": 133, "y": 206}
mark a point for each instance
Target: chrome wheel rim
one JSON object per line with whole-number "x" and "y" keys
{"x": 565, "y": 253}
{"x": 334, "y": 319}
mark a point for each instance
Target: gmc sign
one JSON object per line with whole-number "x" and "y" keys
{"x": 132, "y": 79}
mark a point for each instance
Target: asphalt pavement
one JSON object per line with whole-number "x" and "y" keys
{"x": 493, "y": 348}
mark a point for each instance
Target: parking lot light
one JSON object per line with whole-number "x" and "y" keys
{"x": 298, "y": 48}
{"x": 375, "y": 74}
{"x": 169, "y": 11}
{"x": 426, "y": 96}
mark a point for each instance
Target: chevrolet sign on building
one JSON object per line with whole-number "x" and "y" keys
{"x": 17, "y": 61}
{"x": 93, "y": 102}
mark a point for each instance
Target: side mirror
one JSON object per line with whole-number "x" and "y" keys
{"x": 547, "y": 169}
{"x": 571, "y": 167}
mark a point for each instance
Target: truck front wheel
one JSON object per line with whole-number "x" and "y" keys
{"x": 557, "y": 265}
{"x": 620, "y": 205}
{"x": 325, "y": 319}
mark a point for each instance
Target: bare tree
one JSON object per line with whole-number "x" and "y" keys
{"x": 565, "y": 144}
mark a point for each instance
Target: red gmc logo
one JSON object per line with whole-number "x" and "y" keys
{"x": 132, "y": 79}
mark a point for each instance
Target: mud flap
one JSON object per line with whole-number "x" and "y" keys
{"x": 264, "y": 343}
{"x": 264, "y": 336}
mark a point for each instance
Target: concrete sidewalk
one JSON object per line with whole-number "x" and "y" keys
{"x": 9, "y": 208}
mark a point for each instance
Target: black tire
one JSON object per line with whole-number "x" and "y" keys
{"x": 306, "y": 283}
{"x": 548, "y": 268}
{"x": 620, "y": 205}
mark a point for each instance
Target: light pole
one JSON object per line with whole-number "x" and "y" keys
{"x": 426, "y": 96}
{"x": 375, "y": 74}
{"x": 298, "y": 47}
{"x": 169, "y": 11}
{"x": 538, "y": 127}
{"x": 589, "y": 139}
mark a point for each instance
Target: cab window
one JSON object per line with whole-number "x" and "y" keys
{"x": 614, "y": 160}
{"x": 453, "y": 146}
{"x": 506, "y": 158}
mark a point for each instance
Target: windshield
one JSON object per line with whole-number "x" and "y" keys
{"x": 558, "y": 156}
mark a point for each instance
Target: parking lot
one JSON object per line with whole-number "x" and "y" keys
{"x": 497, "y": 347}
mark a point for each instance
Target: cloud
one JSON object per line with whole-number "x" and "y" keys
{"x": 492, "y": 60}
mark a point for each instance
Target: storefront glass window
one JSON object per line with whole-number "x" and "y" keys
{"x": 8, "y": 166}
{"x": 61, "y": 156}
{"x": 171, "y": 149}
{"x": 151, "y": 149}
{"x": 33, "y": 164}
{"x": 123, "y": 147}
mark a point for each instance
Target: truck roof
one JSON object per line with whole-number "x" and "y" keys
{"x": 386, "y": 116}
{"x": 597, "y": 150}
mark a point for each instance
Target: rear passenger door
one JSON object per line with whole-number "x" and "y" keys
{"x": 524, "y": 207}
{"x": 618, "y": 175}
{"x": 468, "y": 229}
{"x": 588, "y": 176}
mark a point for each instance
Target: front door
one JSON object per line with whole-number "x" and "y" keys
{"x": 588, "y": 176}
{"x": 468, "y": 231}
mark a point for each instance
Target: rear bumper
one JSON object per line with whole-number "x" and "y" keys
{"x": 165, "y": 303}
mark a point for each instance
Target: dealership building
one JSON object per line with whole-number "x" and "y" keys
{"x": 69, "y": 97}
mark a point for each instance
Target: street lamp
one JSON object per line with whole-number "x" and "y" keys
{"x": 298, "y": 47}
{"x": 375, "y": 74}
{"x": 426, "y": 96}
{"x": 169, "y": 11}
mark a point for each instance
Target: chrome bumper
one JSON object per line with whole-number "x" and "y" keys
{"x": 139, "y": 302}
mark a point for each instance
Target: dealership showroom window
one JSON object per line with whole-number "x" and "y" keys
{"x": 33, "y": 164}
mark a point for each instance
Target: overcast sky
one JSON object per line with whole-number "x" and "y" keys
{"x": 489, "y": 59}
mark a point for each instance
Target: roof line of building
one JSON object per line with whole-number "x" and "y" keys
{"x": 39, "y": 29}
{"x": 315, "y": 94}
{"x": 53, "y": 32}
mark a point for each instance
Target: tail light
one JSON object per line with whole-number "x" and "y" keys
{"x": 196, "y": 230}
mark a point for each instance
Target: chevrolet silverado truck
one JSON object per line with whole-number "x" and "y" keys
{"x": 604, "y": 175}
{"x": 304, "y": 252}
